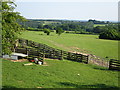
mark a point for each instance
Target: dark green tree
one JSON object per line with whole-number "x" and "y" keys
{"x": 65, "y": 27}
{"x": 110, "y": 32}
{"x": 47, "y": 31}
{"x": 59, "y": 30}
{"x": 10, "y": 27}
{"x": 40, "y": 26}
{"x": 99, "y": 29}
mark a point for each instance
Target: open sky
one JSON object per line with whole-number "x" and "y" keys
{"x": 106, "y": 10}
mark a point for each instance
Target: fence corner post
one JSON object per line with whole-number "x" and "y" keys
{"x": 89, "y": 58}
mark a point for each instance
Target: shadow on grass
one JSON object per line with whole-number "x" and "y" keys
{"x": 5, "y": 87}
{"x": 105, "y": 68}
{"x": 67, "y": 84}
{"x": 101, "y": 68}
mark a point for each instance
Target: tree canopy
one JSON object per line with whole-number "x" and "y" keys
{"x": 59, "y": 31}
{"x": 110, "y": 32}
{"x": 10, "y": 27}
{"x": 47, "y": 31}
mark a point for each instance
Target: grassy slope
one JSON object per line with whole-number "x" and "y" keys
{"x": 58, "y": 74}
{"x": 85, "y": 43}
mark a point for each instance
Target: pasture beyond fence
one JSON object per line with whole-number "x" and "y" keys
{"x": 34, "y": 49}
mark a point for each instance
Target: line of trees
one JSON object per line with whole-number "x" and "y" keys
{"x": 77, "y": 27}
{"x": 108, "y": 31}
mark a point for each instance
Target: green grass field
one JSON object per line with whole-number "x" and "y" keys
{"x": 57, "y": 74}
{"x": 76, "y": 42}
{"x": 95, "y": 25}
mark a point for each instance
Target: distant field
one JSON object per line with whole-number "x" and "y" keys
{"x": 57, "y": 74}
{"x": 99, "y": 25}
{"x": 48, "y": 22}
{"x": 76, "y": 42}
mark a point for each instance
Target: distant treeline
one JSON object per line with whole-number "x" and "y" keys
{"x": 109, "y": 30}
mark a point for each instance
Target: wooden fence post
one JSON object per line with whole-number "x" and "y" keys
{"x": 81, "y": 58}
{"x": 68, "y": 56}
{"x": 110, "y": 63}
{"x": 76, "y": 57}
{"x": 44, "y": 51}
{"x": 89, "y": 58}
{"x": 61, "y": 56}
{"x": 26, "y": 50}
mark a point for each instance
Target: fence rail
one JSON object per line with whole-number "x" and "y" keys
{"x": 114, "y": 64}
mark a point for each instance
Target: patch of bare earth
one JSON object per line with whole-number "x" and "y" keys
{"x": 20, "y": 60}
{"x": 79, "y": 50}
{"x": 45, "y": 64}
